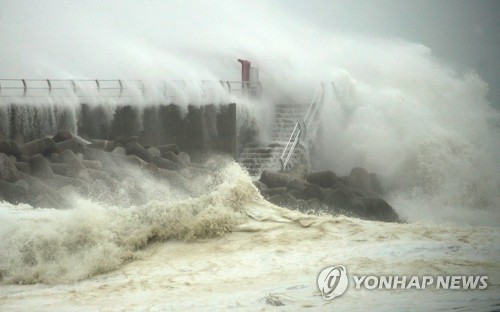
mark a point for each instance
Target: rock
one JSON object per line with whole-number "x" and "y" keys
{"x": 15, "y": 149}
{"x": 378, "y": 209}
{"x": 23, "y": 167}
{"x": 35, "y": 147}
{"x": 14, "y": 193}
{"x": 359, "y": 179}
{"x": 10, "y": 148}
{"x": 135, "y": 160}
{"x": 275, "y": 179}
{"x": 357, "y": 207}
{"x": 50, "y": 146}
{"x": 54, "y": 158}
{"x": 104, "y": 145}
{"x": 375, "y": 185}
{"x": 284, "y": 200}
{"x": 322, "y": 178}
{"x": 59, "y": 168}
{"x": 40, "y": 166}
{"x": 313, "y": 191}
{"x": 338, "y": 198}
{"x": 297, "y": 184}
{"x": 4, "y": 147}
{"x": 174, "y": 158}
{"x": 161, "y": 162}
{"x": 260, "y": 186}
{"x": 119, "y": 150}
{"x": 135, "y": 148}
{"x": 62, "y": 135}
{"x": 184, "y": 157}
{"x": 92, "y": 164}
{"x": 43, "y": 195}
{"x": 274, "y": 191}
{"x": 75, "y": 145}
{"x": 8, "y": 170}
{"x": 74, "y": 164}
{"x": 169, "y": 148}
{"x": 154, "y": 151}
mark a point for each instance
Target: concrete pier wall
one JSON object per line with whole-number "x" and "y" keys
{"x": 207, "y": 128}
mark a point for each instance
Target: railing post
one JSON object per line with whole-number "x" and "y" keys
{"x": 74, "y": 86}
{"x": 121, "y": 87}
{"x": 25, "y": 87}
{"x": 98, "y": 86}
{"x": 50, "y": 86}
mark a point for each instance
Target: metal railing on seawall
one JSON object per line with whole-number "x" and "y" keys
{"x": 118, "y": 88}
{"x": 301, "y": 127}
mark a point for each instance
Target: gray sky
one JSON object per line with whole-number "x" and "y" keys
{"x": 202, "y": 39}
{"x": 463, "y": 33}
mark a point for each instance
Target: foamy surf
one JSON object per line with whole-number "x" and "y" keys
{"x": 228, "y": 249}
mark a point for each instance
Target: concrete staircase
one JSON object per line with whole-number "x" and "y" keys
{"x": 259, "y": 158}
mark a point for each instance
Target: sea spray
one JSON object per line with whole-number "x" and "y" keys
{"x": 51, "y": 246}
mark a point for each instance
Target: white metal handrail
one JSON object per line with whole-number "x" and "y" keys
{"x": 297, "y": 130}
{"x": 114, "y": 87}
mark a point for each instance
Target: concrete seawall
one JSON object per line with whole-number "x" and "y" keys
{"x": 208, "y": 128}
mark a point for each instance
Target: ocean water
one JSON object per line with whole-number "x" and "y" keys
{"x": 228, "y": 249}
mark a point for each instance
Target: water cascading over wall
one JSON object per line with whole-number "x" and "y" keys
{"x": 196, "y": 129}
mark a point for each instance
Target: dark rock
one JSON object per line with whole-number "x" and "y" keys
{"x": 104, "y": 145}
{"x": 322, "y": 178}
{"x": 62, "y": 135}
{"x": 275, "y": 179}
{"x": 23, "y": 167}
{"x": 344, "y": 179}
{"x": 339, "y": 197}
{"x": 174, "y": 158}
{"x": 375, "y": 184}
{"x": 284, "y": 200}
{"x": 74, "y": 164}
{"x": 54, "y": 158}
{"x": 260, "y": 186}
{"x": 154, "y": 151}
{"x": 313, "y": 191}
{"x": 378, "y": 209}
{"x": 359, "y": 179}
{"x": 10, "y": 148}
{"x": 40, "y": 166}
{"x": 161, "y": 162}
{"x": 14, "y": 193}
{"x": 274, "y": 191}
{"x": 15, "y": 150}
{"x": 34, "y": 147}
{"x": 50, "y": 146}
{"x": 8, "y": 170}
{"x": 135, "y": 148}
{"x": 77, "y": 146}
{"x": 169, "y": 148}
{"x": 4, "y": 147}
{"x": 357, "y": 207}
{"x": 59, "y": 168}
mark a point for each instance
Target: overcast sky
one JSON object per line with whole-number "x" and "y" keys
{"x": 114, "y": 39}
